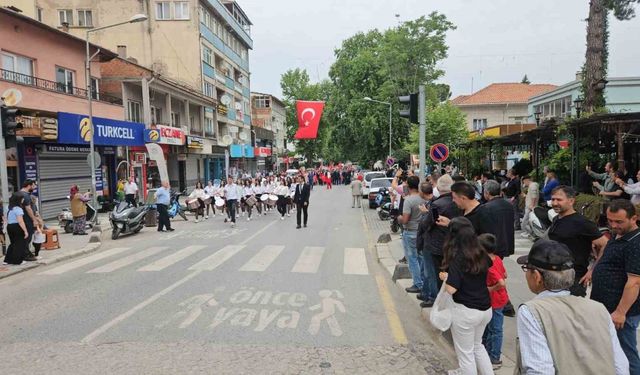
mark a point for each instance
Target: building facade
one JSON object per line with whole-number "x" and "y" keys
{"x": 44, "y": 76}
{"x": 499, "y": 104}
{"x": 202, "y": 44}
{"x": 269, "y": 120}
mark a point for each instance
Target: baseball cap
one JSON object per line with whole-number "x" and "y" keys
{"x": 548, "y": 255}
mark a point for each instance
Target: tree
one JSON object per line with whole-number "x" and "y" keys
{"x": 525, "y": 80}
{"x": 296, "y": 85}
{"x": 383, "y": 65}
{"x": 596, "y": 56}
{"x": 445, "y": 124}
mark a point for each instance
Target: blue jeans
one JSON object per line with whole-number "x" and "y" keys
{"x": 429, "y": 277}
{"x": 409, "y": 238}
{"x": 492, "y": 338}
{"x": 629, "y": 343}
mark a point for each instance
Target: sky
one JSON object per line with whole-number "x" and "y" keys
{"x": 495, "y": 40}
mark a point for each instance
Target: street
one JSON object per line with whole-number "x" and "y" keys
{"x": 263, "y": 296}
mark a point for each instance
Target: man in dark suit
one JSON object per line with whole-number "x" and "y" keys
{"x": 301, "y": 199}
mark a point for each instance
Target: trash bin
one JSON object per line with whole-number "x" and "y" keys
{"x": 151, "y": 218}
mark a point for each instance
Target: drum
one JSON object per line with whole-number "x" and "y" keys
{"x": 264, "y": 198}
{"x": 206, "y": 200}
{"x": 219, "y": 202}
{"x": 251, "y": 201}
{"x": 194, "y": 204}
{"x": 273, "y": 199}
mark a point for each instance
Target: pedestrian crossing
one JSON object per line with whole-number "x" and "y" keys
{"x": 157, "y": 258}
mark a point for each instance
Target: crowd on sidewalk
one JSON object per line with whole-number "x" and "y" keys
{"x": 456, "y": 234}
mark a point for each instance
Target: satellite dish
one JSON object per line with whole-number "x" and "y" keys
{"x": 225, "y": 99}
{"x": 238, "y": 106}
{"x": 226, "y": 140}
{"x": 242, "y": 136}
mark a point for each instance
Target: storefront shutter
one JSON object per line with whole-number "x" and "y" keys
{"x": 57, "y": 173}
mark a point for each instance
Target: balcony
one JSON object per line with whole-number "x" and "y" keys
{"x": 223, "y": 111}
{"x": 43, "y": 84}
{"x": 238, "y": 86}
{"x": 230, "y": 83}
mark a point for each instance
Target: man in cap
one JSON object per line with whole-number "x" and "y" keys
{"x": 557, "y": 331}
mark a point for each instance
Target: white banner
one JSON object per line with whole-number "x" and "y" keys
{"x": 156, "y": 154}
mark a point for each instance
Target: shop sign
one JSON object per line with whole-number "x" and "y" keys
{"x": 235, "y": 151}
{"x": 195, "y": 143}
{"x": 248, "y": 151}
{"x": 76, "y": 129}
{"x": 31, "y": 165}
{"x": 263, "y": 151}
{"x": 66, "y": 148}
{"x": 165, "y": 135}
{"x": 140, "y": 158}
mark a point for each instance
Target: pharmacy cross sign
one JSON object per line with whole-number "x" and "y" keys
{"x": 439, "y": 152}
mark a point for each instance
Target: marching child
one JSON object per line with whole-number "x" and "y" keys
{"x": 496, "y": 276}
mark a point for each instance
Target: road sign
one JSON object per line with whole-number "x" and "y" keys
{"x": 439, "y": 152}
{"x": 97, "y": 160}
{"x": 390, "y": 162}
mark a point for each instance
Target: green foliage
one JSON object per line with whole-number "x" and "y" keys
{"x": 622, "y": 9}
{"x": 445, "y": 124}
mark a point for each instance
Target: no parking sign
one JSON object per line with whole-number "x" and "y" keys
{"x": 439, "y": 152}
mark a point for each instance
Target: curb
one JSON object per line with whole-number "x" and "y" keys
{"x": 95, "y": 242}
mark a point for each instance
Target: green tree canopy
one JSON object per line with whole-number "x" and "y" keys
{"x": 445, "y": 124}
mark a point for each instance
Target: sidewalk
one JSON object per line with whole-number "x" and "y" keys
{"x": 70, "y": 246}
{"x": 388, "y": 255}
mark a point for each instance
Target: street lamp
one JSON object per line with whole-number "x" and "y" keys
{"x": 578, "y": 106}
{"x": 537, "y": 115}
{"x": 136, "y": 18}
{"x": 368, "y": 99}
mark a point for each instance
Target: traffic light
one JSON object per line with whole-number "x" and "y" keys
{"x": 411, "y": 112}
{"x": 10, "y": 124}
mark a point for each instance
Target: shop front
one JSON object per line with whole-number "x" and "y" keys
{"x": 215, "y": 164}
{"x": 242, "y": 160}
{"x": 60, "y": 165}
{"x": 172, "y": 141}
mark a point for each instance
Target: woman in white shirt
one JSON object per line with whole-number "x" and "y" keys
{"x": 247, "y": 193}
{"x": 257, "y": 192}
{"x": 211, "y": 191}
{"x": 292, "y": 191}
{"x": 199, "y": 195}
{"x": 282, "y": 191}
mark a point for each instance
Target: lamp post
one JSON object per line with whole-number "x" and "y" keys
{"x": 537, "y": 115}
{"x": 136, "y": 18}
{"x": 576, "y": 142}
{"x": 368, "y": 99}
{"x": 578, "y": 106}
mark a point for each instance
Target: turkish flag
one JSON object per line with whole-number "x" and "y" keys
{"x": 309, "y": 114}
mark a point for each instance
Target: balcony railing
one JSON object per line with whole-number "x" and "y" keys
{"x": 26, "y": 80}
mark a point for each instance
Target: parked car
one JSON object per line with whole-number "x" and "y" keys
{"x": 368, "y": 176}
{"x": 375, "y": 186}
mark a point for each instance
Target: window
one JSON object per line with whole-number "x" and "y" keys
{"x": 207, "y": 55}
{"x": 163, "y": 10}
{"x": 181, "y": 10}
{"x": 175, "y": 119}
{"x": 85, "y": 18}
{"x": 208, "y": 126}
{"x": 262, "y": 102}
{"x": 479, "y": 123}
{"x": 208, "y": 89}
{"x": 156, "y": 115}
{"x": 133, "y": 111}
{"x": 65, "y": 79}
{"x": 17, "y": 68}
{"x": 39, "y": 13}
{"x": 65, "y": 16}
{"x": 95, "y": 89}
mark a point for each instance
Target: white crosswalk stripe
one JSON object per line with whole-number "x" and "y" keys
{"x": 84, "y": 261}
{"x": 355, "y": 261}
{"x": 172, "y": 259}
{"x": 213, "y": 261}
{"x": 309, "y": 260}
{"x": 115, "y": 265}
{"x": 263, "y": 259}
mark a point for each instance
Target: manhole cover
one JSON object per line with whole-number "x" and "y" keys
{"x": 325, "y": 364}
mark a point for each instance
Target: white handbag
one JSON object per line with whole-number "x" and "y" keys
{"x": 441, "y": 313}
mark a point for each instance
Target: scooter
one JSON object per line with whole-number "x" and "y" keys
{"x": 65, "y": 218}
{"x": 175, "y": 208}
{"x": 383, "y": 201}
{"x": 540, "y": 219}
{"x": 127, "y": 219}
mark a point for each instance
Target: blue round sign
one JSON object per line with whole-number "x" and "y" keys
{"x": 439, "y": 152}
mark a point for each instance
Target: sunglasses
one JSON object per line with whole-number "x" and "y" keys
{"x": 528, "y": 267}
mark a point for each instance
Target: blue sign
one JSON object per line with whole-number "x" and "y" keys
{"x": 235, "y": 151}
{"x": 248, "y": 151}
{"x": 76, "y": 129}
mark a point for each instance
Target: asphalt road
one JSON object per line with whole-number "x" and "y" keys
{"x": 261, "y": 297}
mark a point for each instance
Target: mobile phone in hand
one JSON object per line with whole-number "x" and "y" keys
{"x": 435, "y": 213}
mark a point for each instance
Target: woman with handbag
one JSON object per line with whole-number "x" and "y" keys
{"x": 196, "y": 200}
{"x": 18, "y": 250}
{"x": 467, "y": 266}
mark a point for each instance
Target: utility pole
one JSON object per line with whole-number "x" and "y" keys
{"x": 423, "y": 131}
{"x": 4, "y": 178}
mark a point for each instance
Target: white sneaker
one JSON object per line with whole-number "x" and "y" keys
{"x": 524, "y": 235}
{"x": 206, "y": 217}
{"x": 214, "y": 215}
{"x": 288, "y": 214}
{"x": 233, "y": 225}
{"x": 196, "y": 220}
{"x": 248, "y": 219}
{"x": 281, "y": 217}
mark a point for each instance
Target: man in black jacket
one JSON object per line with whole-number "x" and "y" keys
{"x": 501, "y": 213}
{"x": 512, "y": 192}
{"x": 431, "y": 239}
{"x": 301, "y": 199}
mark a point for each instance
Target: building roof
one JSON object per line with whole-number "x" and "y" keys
{"x": 275, "y": 98}
{"x": 503, "y": 93}
{"x": 103, "y": 55}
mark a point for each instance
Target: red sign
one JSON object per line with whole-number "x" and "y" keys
{"x": 309, "y": 114}
{"x": 171, "y": 136}
{"x": 439, "y": 152}
{"x": 563, "y": 144}
{"x": 262, "y": 151}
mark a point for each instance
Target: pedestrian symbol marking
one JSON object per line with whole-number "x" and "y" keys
{"x": 328, "y": 312}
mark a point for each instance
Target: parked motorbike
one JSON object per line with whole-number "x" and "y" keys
{"x": 383, "y": 201}
{"x": 65, "y": 218}
{"x": 175, "y": 208}
{"x": 541, "y": 219}
{"x": 127, "y": 219}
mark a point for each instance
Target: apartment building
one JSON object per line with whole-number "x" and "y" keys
{"x": 202, "y": 44}
{"x": 269, "y": 120}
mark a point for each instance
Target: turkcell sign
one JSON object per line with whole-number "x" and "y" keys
{"x": 74, "y": 129}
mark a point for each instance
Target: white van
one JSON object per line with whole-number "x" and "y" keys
{"x": 367, "y": 181}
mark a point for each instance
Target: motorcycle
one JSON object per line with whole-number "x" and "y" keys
{"x": 387, "y": 212}
{"x": 175, "y": 208}
{"x": 65, "y": 218}
{"x": 127, "y": 219}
